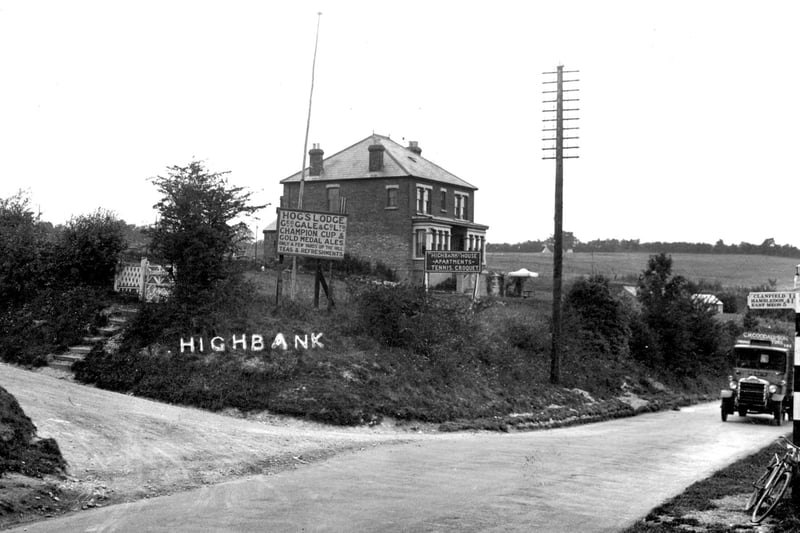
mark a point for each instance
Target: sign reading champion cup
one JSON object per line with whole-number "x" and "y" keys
{"x": 311, "y": 234}
{"x": 452, "y": 261}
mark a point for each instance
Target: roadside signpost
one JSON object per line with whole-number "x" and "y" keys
{"x": 786, "y": 300}
{"x": 772, "y": 300}
{"x": 451, "y": 261}
{"x": 312, "y": 234}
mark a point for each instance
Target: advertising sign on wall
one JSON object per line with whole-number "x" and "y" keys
{"x": 311, "y": 234}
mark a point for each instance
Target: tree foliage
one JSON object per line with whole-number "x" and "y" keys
{"x": 51, "y": 279}
{"x": 22, "y": 247}
{"x": 600, "y": 315}
{"x": 89, "y": 247}
{"x": 681, "y": 331}
{"x": 197, "y": 232}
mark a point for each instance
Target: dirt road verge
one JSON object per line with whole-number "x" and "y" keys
{"x": 121, "y": 448}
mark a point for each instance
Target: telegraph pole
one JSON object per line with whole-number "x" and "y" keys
{"x": 558, "y": 245}
{"x": 293, "y": 286}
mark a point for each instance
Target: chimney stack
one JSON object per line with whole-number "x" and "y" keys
{"x": 413, "y": 146}
{"x": 316, "y": 160}
{"x": 376, "y": 157}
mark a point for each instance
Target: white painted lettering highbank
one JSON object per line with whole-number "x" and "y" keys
{"x": 253, "y": 343}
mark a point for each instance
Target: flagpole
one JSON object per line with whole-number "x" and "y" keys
{"x": 293, "y": 290}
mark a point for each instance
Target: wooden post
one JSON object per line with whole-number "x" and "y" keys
{"x": 329, "y": 290}
{"x": 279, "y": 284}
{"x": 317, "y": 276}
{"x": 143, "y": 278}
{"x": 796, "y": 399}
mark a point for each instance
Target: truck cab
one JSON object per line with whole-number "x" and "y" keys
{"x": 762, "y": 377}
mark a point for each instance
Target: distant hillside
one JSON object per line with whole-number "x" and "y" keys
{"x": 732, "y": 270}
{"x": 570, "y": 242}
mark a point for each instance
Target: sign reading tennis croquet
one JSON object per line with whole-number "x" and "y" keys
{"x": 451, "y": 261}
{"x": 311, "y": 234}
{"x": 772, "y": 300}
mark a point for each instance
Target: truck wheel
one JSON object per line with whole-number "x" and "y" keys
{"x": 724, "y": 414}
{"x": 742, "y": 412}
{"x": 778, "y": 412}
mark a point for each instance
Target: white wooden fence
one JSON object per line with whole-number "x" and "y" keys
{"x": 151, "y": 282}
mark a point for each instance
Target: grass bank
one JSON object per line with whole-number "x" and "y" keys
{"x": 716, "y": 504}
{"x": 390, "y": 354}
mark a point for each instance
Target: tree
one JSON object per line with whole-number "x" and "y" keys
{"x": 600, "y": 314}
{"x": 22, "y": 246}
{"x": 89, "y": 247}
{"x": 683, "y": 332}
{"x": 568, "y": 240}
{"x": 197, "y": 232}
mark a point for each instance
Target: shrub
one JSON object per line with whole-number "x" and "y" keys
{"x": 88, "y": 248}
{"x": 684, "y": 335}
{"x": 599, "y": 315}
{"x": 52, "y": 320}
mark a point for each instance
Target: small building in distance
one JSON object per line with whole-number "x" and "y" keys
{"x": 710, "y": 301}
{"x": 398, "y": 203}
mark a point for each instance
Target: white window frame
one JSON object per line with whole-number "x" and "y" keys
{"x": 437, "y": 237}
{"x": 460, "y": 211}
{"x": 424, "y": 198}
{"x": 395, "y": 188}
{"x": 328, "y": 197}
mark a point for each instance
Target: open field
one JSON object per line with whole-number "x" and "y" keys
{"x": 732, "y": 270}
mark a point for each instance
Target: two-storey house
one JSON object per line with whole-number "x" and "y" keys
{"x": 398, "y": 203}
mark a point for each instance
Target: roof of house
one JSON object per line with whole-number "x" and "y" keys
{"x": 708, "y": 299}
{"x": 398, "y": 161}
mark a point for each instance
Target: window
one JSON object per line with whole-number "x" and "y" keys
{"x": 423, "y": 199}
{"x": 443, "y": 200}
{"x": 419, "y": 245}
{"x": 461, "y": 206}
{"x": 391, "y": 196}
{"x": 333, "y": 198}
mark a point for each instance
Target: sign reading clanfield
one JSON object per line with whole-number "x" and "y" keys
{"x": 452, "y": 261}
{"x": 311, "y": 234}
{"x": 772, "y": 300}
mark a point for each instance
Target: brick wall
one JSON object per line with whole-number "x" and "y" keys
{"x": 375, "y": 232}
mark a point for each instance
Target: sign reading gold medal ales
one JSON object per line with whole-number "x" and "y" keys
{"x": 311, "y": 234}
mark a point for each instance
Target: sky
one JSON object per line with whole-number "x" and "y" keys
{"x": 688, "y": 110}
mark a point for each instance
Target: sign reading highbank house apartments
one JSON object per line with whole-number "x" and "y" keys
{"x": 311, "y": 234}
{"x": 772, "y": 300}
{"x": 452, "y": 261}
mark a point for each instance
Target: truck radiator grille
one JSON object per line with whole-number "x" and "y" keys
{"x": 751, "y": 392}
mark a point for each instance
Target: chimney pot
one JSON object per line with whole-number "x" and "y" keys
{"x": 413, "y": 146}
{"x": 315, "y": 154}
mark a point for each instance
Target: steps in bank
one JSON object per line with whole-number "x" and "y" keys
{"x": 118, "y": 317}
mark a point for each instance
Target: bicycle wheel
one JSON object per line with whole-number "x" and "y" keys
{"x": 758, "y": 488}
{"x": 773, "y": 493}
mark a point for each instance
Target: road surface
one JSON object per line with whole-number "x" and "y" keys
{"x": 593, "y": 478}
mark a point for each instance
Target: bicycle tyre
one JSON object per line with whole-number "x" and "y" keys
{"x": 758, "y": 488}
{"x": 772, "y": 495}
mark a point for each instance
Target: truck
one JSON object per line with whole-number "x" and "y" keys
{"x": 762, "y": 377}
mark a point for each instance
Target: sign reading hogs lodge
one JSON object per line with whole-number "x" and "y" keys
{"x": 311, "y": 234}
